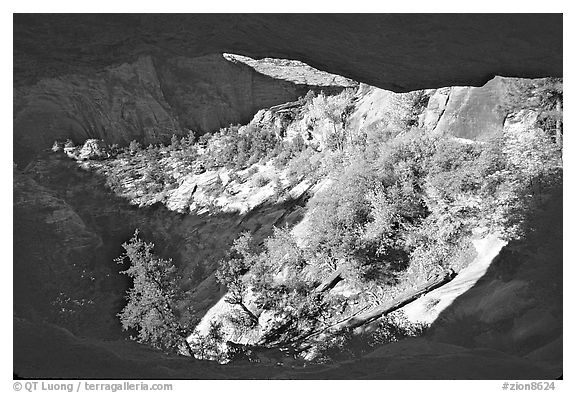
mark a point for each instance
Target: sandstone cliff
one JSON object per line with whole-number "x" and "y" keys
{"x": 149, "y": 100}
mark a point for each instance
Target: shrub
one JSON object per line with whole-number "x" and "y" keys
{"x": 134, "y": 147}
{"x": 252, "y": 171}
{"x": 211, "y": 346}
{"x": 174, "y": 142}
{"x": 280, "y": 193}
{"x": 57, "y": 146}
{"x": 234, "y": 176}
{"x": 390, "y": 328}
{"x": 261, "y": 180}
{"x": 69, "y": 143}
{"x": 282, "y": 159}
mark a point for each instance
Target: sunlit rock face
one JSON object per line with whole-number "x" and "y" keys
{"x": 293, "y": 71}
{"x": 465, "y": 112}
{"x": 473, "y": 112}
{"x": 435, "y": 108}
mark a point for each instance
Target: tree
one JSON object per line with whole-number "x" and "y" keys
{"x": 210, "y": 346}
{"x": 284, "y": 251}
{"x": 337, "y": 214}
{"x": 134, "y": 147}
{"x": 551, "y": 96}
{"x": 543, "y": 95}
{"x": 189, "y": 139}
{"x": 151, "y": 308}
{"x": 335, "y": 110}
{"x": 175, "y": 142}
{"x": 231, "y": 271}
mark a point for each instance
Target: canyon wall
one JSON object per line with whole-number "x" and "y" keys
{"x": 148, "y": 100}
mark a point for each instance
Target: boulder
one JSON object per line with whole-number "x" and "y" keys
{"x": 94, "y": 149}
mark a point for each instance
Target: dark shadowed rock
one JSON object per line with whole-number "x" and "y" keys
{"x": 50, "y": 242}
{"x": 210, "y": 92}
{"x": 516, "y": 306}
{"x": 399, "y": 52}
{"x": 118, "y": 104}
{"x": 67, "y": 356}
{"x": 148, "y": 100}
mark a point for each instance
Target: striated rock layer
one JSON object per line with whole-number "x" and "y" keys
{"x": 149, "y": 100}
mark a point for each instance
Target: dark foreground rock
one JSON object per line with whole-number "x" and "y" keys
{"x": 64, "y": 355}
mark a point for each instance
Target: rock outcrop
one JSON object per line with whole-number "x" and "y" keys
{"x": 435, "y": 108}
{"x": 464, "y": 112}
{"x": 92, "y": 149}
{"x": 293, "y": 70}
{"x": 148, "y": 76}
{"x": 472, "y": 112}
